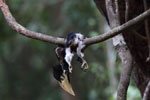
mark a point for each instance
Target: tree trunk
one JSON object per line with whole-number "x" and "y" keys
{"x": 134, "y": 39}
{"x": 111, "y": 63}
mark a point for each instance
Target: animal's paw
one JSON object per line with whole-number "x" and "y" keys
{"x": 62, "y": 77}
{"x": 84, "y": 66}
{"x": 70, "y": 69}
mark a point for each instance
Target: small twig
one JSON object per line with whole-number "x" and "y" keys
{"x": 117, "y": 12}
{"x": 147, "y": 30}
{"x": 110, "y": 12}
{"x": 138, "y": 35}
{"x": 146, "y": 92}
{"x": 127, "y": 10}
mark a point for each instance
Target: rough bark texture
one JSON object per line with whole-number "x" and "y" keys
{"x": 137, "y": 46}
{"x": 126, "y": 60}
{"x": 121, "y": 48}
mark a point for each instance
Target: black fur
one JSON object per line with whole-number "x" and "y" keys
{"x": 60, "y": 52}
{"x": 58, "y": 72}
{"x": 70, "y": 38}
{"x": 63, "y": 66}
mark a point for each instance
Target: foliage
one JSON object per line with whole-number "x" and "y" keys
{"x": 25, "y": 64}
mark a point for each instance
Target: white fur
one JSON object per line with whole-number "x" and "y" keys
{"x": 79, "y": 37}
{"x": 78, "y": 40}
{"x": 68, "y": 56}
{"x": 81, "y": 45}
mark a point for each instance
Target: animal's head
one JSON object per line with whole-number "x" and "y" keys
{"x": 73, "y": 39}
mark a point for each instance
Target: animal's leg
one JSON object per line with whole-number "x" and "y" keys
{"x": 84, "y": 65}
{"x": 80, "y": 55}
{"x": 68, "y": 59}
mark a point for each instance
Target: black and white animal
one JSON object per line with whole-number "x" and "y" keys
{"x": 73, "y": 47}
{"x": 61, "y": 72}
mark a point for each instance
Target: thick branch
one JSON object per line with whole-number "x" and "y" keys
{"x": 123, "y": 52}
{"x": 54, "y": 40}
{"x": 117, "y": 30}
{"x": 126, "y": 70}
{"x": 23, "y": 31}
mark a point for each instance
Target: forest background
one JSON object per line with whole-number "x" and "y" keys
{"x": 26, "y": 64}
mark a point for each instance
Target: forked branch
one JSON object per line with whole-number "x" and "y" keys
{"x": 60, "y": 41}
{"x": 117, "y": 30}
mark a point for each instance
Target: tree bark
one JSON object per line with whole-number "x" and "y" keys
{"x": 121, "y": 48}
{"x": 136, "y": 50}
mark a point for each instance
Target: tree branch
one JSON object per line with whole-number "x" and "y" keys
{"x": 146, "y": 92}
{"x": 147, "y": 29}
{"x": 54, "y": 40}
{"x": 127, "y": 10}
{"x": 117, "y": 12}
{"x": 123, "y": 52}
{"x": 117, "y": 30}
{"x": 23, "y": 31}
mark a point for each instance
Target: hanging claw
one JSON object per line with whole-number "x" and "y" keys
{"x": 70, "y": 69}
{"x": 84, "y": 65}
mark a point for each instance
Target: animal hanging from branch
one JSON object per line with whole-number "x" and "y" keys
{"x": 74, "y": 46}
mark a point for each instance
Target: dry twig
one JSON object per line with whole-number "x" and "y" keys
{"x": 127, "y": 10}
{"x": 147, "y": 30}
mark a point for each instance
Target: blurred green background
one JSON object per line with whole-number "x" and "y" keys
{"x": 25, "y": 64}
